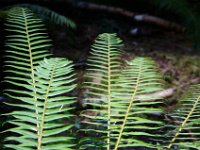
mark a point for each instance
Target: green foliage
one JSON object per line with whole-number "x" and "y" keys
{"x": 185, "y": 133}
{"x": 121, "y": 110}
{"x": 38, "y": 123}
{"x": 43, "y": 13}
{"x": 124, "y": 107}
{"x": 27, "y": 42}
{"x": 51, "y": 15}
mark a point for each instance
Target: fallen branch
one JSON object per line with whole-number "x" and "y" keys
{"x": 135, "y": 16}
{"x": 157, "y": 95}
{"x": 167, "y": 92}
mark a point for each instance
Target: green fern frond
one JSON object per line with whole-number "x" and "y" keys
{"x": 186, "y": 132}
{"x": 103, "y": 66}
{"x": 119, "y": 109}
{"x": 40, "y": 88}
{"x": 51, "y": 15}
{"x": 132, "y": 126}
{"x": 27, "y": 44}
{"x": 44, "y": 130}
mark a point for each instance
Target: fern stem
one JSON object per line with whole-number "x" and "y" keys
{"x": 183, "y": 124}
{"x": 44, "y": 110}
{"x": 109, "y": 95}
{"x": 31, "y": 65}
{"x": 128, "y": 109}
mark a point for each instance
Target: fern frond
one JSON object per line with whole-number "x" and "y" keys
{"x": 119, "y": 111}
{"x": 51, "y": 15}
{"x": 103, "y": 66}
{"x": 185, "y": 133}
{"x": 27, "y": 44}
{"x": 44, "y": 130}
{"x": 40, "y": 89}
{"x": 132, "y": 125}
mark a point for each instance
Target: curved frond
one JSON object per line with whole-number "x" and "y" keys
{"x": 51, "y": 15}
{"x": 185, "y": 125}
{"x": 44, "y": 130}
{"x": 120, "y": 112}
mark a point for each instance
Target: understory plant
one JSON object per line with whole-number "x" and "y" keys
{"x": 40, "y": 86}
{"x": 123, "y": 109}
{"x": 43, "y": 13}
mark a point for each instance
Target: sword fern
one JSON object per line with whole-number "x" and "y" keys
{"x": 41, "y": 87}
{"x": 185, "y": 122}
{"x": 120, "y": 113}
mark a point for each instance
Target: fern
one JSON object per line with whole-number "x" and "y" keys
{"x": 119, "y": 113}
{"x": 27, "y": 44}
{"x": 185, "y": 133}
{"x": 37, "y": 123}
{"x": 51, "y": 15}
{"x": 105, "y": 62}
{"x": 41, "y": 85}
{"x": 139, "y": 79}
{"x": 43, "y": 13}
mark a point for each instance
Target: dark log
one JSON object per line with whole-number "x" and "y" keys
{"x": 132, "y": 15}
